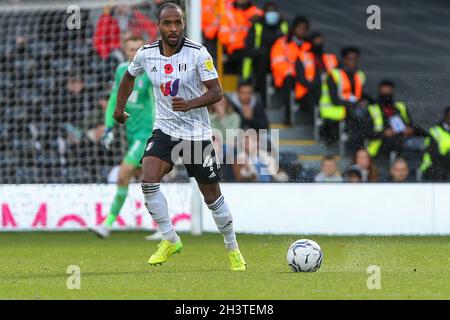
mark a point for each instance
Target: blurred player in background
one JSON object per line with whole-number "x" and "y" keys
{"x": 188, "y": 82}
{"x": 141, "y": 108}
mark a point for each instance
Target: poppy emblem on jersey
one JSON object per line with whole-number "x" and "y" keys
{"x": 168, "y": 69}
{"x": 170, "y": 88}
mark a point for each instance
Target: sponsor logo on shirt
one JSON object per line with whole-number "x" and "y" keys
{"x": 170, "y": 88}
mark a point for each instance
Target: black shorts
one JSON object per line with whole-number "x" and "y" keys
{"x": 199, "y": 157}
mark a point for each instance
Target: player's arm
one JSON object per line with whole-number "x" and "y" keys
{"x": 208, "y": 75}
{"x": 125, "y": 88}
{"x": 108, "y": 135}
{"x": 109, "y": 120}
{"x": 213, "y": 94}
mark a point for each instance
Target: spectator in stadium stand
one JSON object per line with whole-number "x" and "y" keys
{"x": 262, "y": 35}
{"x": 93, "y": 122}
{"x": 249, "y": 108}
{"x": 283, "y": 55}
{"x": 329, "y": 171}
{"x": 72, "y": 106}
{"x": 89, "y": 152}
{"x": 390, "y": 122}
{"x": 255, "y": 164}
{"x": 399, "y": 171}
{"x": 223, "y": 116}
{"x": 235, "y": 23}
{"x": 353, "y": 174}
{"x": 342, "y": 92}
{"x": 365, "y": 163}
{"x": 119, "y": 20}
{"x": 75, "y": 98}
{"x": 310, "y": 67}
{"x": 436, "y": 159}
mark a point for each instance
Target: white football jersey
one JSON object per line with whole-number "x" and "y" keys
{"x": 180, "y": 75}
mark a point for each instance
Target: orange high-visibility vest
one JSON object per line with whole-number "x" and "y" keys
{"x": 307, "y": 58}
{"x": 234, "y": 27}
{"x": 344, "y": 86}
{"x": 283, "y": 55}
{"x": 210, "y": 19}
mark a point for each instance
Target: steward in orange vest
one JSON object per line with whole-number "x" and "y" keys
{"x": 260, "y": 39}
{"x": 342, "y": 91}
{"x": 311, "y": 67}
{"x": 210, "y": 19}
{"x": 235, "y": 23}
{"x": 283, "y": 55}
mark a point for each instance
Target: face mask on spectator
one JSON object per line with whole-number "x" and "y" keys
{"x": 386, "y": 99}
{"x": 272, "y": 18}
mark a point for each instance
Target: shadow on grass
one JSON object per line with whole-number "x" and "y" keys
{"x": 149, "y": 271}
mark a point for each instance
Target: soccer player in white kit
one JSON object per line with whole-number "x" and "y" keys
{"x": 180, "y": 71}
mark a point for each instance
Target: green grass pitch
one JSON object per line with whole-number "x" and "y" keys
{"x": 34, "y": 265}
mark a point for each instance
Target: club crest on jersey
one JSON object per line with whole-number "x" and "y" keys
{"x": 168, "y": 69}
{"x": 182, "y": 67}
{"x": 170, "y": 88}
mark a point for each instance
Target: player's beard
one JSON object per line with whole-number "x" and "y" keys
{"x": 171, "y": 42}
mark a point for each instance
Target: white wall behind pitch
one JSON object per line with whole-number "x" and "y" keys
{"x": 337, "y": 208}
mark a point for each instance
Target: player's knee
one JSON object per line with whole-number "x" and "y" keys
{"x": 210, "y": 196}
{"x": 151, "y": 178}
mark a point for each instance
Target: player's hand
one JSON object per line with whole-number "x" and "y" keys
{"x": 179, "y": 104}
{"x": 120, "y": 117}
{"x": 107, "y": 138}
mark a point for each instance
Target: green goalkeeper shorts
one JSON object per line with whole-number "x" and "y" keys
{"x": 135, "y": 151}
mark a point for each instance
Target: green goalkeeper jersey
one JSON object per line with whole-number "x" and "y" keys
{"x": 140, "y": 106}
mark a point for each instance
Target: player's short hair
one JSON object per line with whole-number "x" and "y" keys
{"x": 347, "y": 50}
{"x": 167, "y": 5}
{"x": 386, "y": 82}
{"x": 134, "y": 38}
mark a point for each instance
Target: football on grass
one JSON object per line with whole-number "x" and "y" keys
{"x": 304, "y": 256}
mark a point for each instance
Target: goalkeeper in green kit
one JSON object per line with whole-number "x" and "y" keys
{"x": 141, "y": 108}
